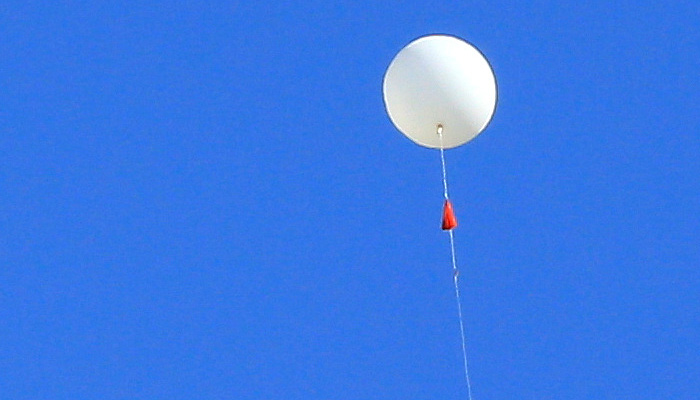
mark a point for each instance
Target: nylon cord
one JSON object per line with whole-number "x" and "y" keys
{"x": 455, "y": 271}
{"x": 442, "y": 159}
{"x": 461, "y": 319}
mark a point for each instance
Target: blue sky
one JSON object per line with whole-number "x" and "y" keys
{"x": 206, "y": 200}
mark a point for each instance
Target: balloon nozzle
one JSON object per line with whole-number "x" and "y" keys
{"x": 439, "y": 129}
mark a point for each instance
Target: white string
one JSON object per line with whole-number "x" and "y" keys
{"x": 442, "y": 159}
{"x": 455, "y": 271}
{"x": 461, "y": 319}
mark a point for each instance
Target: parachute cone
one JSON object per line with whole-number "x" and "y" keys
{"x": 449, "y": 221}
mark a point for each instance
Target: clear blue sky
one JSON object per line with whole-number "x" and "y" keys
{"x": 206, "y": 200}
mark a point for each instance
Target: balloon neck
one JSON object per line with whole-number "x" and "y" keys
{"x": 439, "y": 129}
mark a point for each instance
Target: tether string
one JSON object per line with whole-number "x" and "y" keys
{"x": 455, "y": 271}
{"x": 442, "y": 159}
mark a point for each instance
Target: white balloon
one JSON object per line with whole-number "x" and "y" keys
{"x": 440, "y": 80}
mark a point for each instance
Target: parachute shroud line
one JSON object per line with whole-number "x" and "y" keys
{"x": 449, "y": 222}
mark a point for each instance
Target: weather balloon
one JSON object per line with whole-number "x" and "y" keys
{"x": 440, "y": 81}
{"x": 440, "y": 92}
